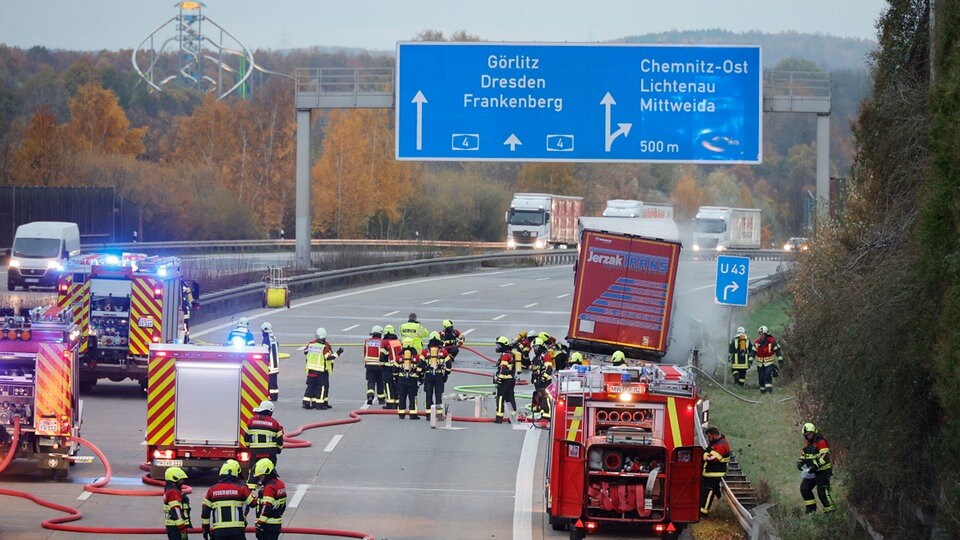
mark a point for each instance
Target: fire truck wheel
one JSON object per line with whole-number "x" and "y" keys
{"x": 559, "y": 524}
{"x": 612, "y": 460}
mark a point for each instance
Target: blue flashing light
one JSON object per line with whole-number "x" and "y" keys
{"x": 112, "y": 260}
{"x": 162, "y": 271}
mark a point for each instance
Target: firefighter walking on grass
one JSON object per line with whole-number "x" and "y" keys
{"x": 505, "y": 378}
{"x": 715, "y": 459}
{"x": 767, "y": 350}
{"x": 816, "y": 469}
{"x": 740, "y": 355}
{"x": 224, "y": 513}
{"x": 270, "y": 341}
{"x": 372, "y": 368}
{"x": 271, "y": 500}
{"x": 320, "y": 357}
{"x": 176, "y": 504}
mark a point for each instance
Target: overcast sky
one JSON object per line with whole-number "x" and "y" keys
{"x": 379, "y": 24}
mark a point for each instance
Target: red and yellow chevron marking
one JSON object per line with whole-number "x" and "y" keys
{"x": 253, "y": 386}
{"x": 53, "y": 382}
{"x": 77, "y": 296}
{"x": 161, "y": 400}
{"x": 145, "y": 310}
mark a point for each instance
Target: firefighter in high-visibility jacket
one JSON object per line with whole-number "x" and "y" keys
{"x": 390, "y": 347}
{"x": 241, "y": 334}
{"x": 414, "y": 330}
{"x": 271, "y": 500}
{"x": 541, "y": 370}
{"x": 176, "y": 504}
{"x": 320, "y": 357}
{"x": 740, "y": 356}
{"x": 816, "y": 466}
{"x": 768, "y": 353}
{"x": 372, "y": 367}
{"x": 270, "y": 341}
{"x": 436, "y": 369}
{"x": 452, "y": 339}
{"x": 505, "y": 378}
{"x": 224, "y": 513}
{"x": 263, "y": 435}
{"x": 715, "y": 459}
{"x": 409, "y": 373}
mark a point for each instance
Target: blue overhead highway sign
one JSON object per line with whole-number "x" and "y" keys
{"x": 562, "y": 102}
{"x": 733, "y": 274}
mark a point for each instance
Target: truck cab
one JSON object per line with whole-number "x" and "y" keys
{"x": 528, "y": 221}
{"x": 711, "y": 229}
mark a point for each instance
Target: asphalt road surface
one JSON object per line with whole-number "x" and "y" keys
{"x": 393, "y": 479}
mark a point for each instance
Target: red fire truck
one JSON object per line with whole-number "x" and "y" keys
{"x": 624, "y": 452}
{"x": 38, "y": 387}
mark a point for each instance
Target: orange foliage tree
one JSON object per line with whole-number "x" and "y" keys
{"x": 41, "y": 157}
{"x": 98, "y": 124}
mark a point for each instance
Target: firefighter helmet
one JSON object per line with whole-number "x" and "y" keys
{"x": 321, "y": 333}
{"x": 809, "y": 428}
{"x": 267, "y": 327}
{"x": 618, "y": 357}
{"x": 448, "y": 323}
{"x": 576, "y": 357}
{"x": 243, "y": 322}
{"x": 388, "y": 329}
{"x": 408, "y": 342}
{"x": 263, "y": 467}
{"x": 502, "y": 340}
{"x": 537, "y": 342}
{"x": 377, "y": 329}
{"x": 763, "y": 330}
{"x": 741, "y": 330}
{"x": 265, "y": 406}
{"x": 544, "y": 336}
{"x": 230, "y": 468}
{"x": 174, "y": 474}
{"x": 434, "y": 335}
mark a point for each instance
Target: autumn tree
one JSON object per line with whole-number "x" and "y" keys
{"x": 546, "y": 177}
{"x": 98, "y": 124}
{"x": 41, "y": 157}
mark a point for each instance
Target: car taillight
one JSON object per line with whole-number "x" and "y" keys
{"x": 163, "y": 454}
{"x": 244, "y": 456}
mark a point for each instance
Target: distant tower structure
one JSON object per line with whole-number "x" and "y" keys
{"x": 200, "y": 62}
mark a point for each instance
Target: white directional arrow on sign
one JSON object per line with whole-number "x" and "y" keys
{"x": 419, "y": 100}
{"x": 623, "y": 128}
{"x": 732, "y": 287}
{"x": 513, "y": 141}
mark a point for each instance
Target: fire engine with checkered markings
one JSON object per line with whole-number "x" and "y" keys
{"x": 38, "y": 387}
{"x": 199, "y": 400}
{"x": 122, "y": 304}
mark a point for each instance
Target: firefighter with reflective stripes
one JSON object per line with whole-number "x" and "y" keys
{"x": 523, "y": 344}
{"x": 176, "y": 504}
{"x": 271, "y": 500}
{"x": 241, "y": 334}
{"x": 389, "y": 353}
{"x": 505, "y": 378}
{"x": 409, "y": 375}
{"x": 270, "y": 340}
{"x": 372, "y": 367}
{"x": 414, "y": 330}
{"x": 263, "y": 435}
{"x": 224, "y": 514}
{"x": 740, "y": 355}
{"x": 320, "y": 357}
{"x": 768, "y": 353}
{"x": 618, "y": 359}
{"x": 436, "y": 370}
{"x": 715, "y": 459}
{"x": 541, "y": 369}
{"x": 817, "y": 469}
{"x": 186, "y": 305}
{"x": 452, "y": 339}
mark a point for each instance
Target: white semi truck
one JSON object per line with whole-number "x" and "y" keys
{"x": 637, "y": 209}
{"x": 720, "y": 228}
{"x": 541, "y": 220}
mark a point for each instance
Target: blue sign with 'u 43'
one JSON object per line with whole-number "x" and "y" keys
{"x": 733, "y": 277}
{"x": 577, "y": 102}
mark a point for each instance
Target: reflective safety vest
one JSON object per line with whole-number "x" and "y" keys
{"x": 414, "y": 331}
{"x": 741, "y": 349}
{"x": 223, "y": 505}
{"x": 817, "y": 453}
{"x": 506, "y": 368}
{"x": 371, "y": 351}
{"x": 263, "y": 431}
{"x": 390, "y": 351}
{"x": 716, "y": 457}
{"x": 320, "y": 356}
{"x": 176, "y": 506}
{"x": 271, "y": 501}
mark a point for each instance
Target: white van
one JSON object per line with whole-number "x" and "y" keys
{"x": 39, "y": 250}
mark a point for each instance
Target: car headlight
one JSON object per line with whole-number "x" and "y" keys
{"x": 696, "y": 247}
{"x": 721, "y": 248}
{"x": 14, "y": 263}
{"x": 540, "y": 243}
{"x": 787, "y": 247}
{"x": 511, "y": 243}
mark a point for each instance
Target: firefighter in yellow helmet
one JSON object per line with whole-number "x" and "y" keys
{"x": 390, "y": 347}
{"x": 319, "y": 356}
{"x": 436, "y": 370}
{"x": 541, "y": 374}
{"x": 409, "y": 376}
{"x": 224, "y": 513}
{"x": 271, "y": 500}
{"x": 740, "y": 355}
{"x": 176, "y": 504}
{"x": 452, "y": 339}
{"x": 817, "y": 468}
{"x": 618, "y": 358}
{"x": 505, "y": 378}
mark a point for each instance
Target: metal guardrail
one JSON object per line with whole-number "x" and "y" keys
{"x": 253, "y": 245}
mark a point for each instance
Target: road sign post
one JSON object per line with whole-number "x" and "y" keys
{"x": 733, "y": 275}
{"x": 576, "y": 102}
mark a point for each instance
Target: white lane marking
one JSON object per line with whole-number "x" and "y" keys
{"x": 298, "y": 496}
{"x": 333, "y": 443}
{"x": 428, "y": 302}
{"x": 465, "y": 332}
{"x": 498, "y": 317}
{"x": 391, "y": 313}
{"x": 542, "y": 278}
{"x": 365, "y": 406}
{"x": 349, "y": 328}
{"x": 506, "y": 284}
{"x": 523, "y": 501}
{"x": 85, "y": 495}
{"x": 564, "y": 295}
{"x": 468, "y": 292}
{"x": 231, "y": 323}
{"x": 530, "y": 305}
